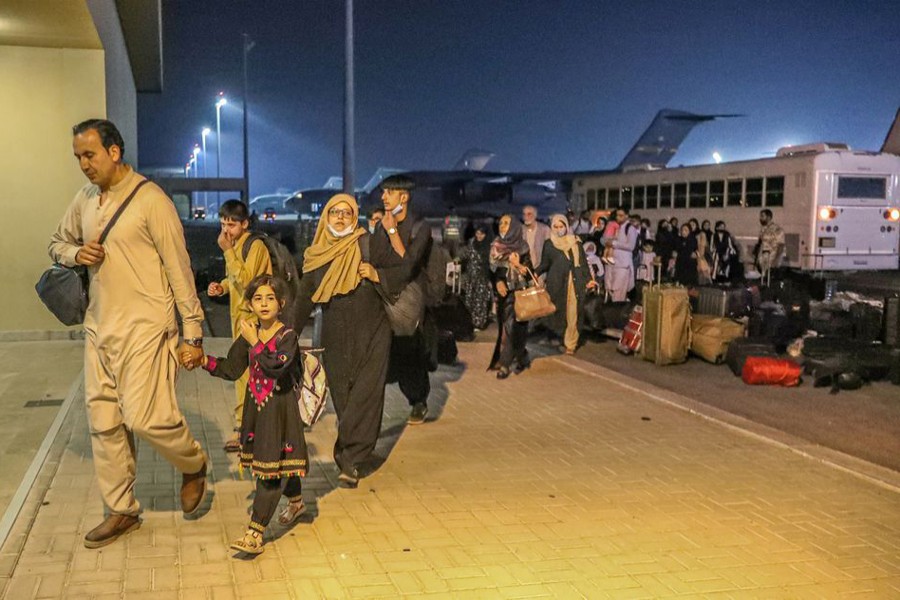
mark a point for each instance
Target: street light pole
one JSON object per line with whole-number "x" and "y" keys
{"x": 349, "y": 153}
{"x": 219, "y": 104}
{"x": 248, "y": 46}
{"x": 203, "y": 135}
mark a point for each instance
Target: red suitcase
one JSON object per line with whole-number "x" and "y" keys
{"x": 630, "y": 342}
{"x": 762, "y": 370}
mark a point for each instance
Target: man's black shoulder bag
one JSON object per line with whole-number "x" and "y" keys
{"x": 64, "y": 290}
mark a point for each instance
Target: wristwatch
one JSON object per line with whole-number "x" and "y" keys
{"x": 195, "y": 342}
{"x": 392, "y": 231}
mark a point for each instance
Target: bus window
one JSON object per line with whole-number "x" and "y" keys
{"x": 612, "y": 200}
{"x": 774, "y": 191}
{"x": 697, "y": 194}
{"x": 680, "y": 196}
{"x": 665, "y": 195}
{"x": 862, "y": 187}
{"x": 591, "y": 199}
{"x": 639, "y": 198}
{"x": 601, "y": 199}
{"x": 735, "y": 192}
{"x": 626, "y": 199}
{"x": 754, "y": 192}
{"x": 716, "y": 194}
{"x": 652, "y": 197}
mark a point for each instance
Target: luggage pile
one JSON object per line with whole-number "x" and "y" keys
{"x": 842, "y": 342}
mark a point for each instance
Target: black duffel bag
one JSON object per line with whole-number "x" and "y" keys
{"x": 64, "y": 290}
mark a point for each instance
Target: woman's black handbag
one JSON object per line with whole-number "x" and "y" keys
{"x": 64, "y": 290}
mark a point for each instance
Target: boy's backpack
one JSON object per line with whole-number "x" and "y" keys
{"x": 435, "y": 269}
{"x": 283, "y": 264}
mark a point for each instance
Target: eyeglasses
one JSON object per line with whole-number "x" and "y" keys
{"x": 340, "y": 212}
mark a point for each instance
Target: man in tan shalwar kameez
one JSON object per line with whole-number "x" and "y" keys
{"x": 138, "y": 277}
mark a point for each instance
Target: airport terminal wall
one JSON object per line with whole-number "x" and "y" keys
{"x": 54, "y": 73}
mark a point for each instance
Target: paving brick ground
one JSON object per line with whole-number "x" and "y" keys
{"x": 555, "y": 483}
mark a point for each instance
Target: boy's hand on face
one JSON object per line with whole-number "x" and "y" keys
{"x": 225, "y": 241}
{"x": 388, "y": 220}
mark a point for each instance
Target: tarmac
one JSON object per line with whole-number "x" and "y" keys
{"x": 569, "y": 480}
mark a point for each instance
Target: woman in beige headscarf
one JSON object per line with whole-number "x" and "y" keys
{"x": 356, "y": 334}
{"x": 568, "y": 278}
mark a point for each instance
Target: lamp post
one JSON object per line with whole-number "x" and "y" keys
{"x": 248, "y": 46}
{"x": 219, "y": 104}
{"x": 349, "y": 151}
{"x": 203, "y": 134}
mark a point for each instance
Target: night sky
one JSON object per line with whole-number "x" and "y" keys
{"x": 563, "y": 85}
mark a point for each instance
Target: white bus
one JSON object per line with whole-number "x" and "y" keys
{"x": 840, "y": 209}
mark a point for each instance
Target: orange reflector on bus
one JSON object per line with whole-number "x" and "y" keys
{"x": 892, "y": 214}
{"x": 826, "y": 213}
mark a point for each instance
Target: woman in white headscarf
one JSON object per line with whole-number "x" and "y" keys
{"x": 356, "y": 334}
{"x": 568, "y": 278}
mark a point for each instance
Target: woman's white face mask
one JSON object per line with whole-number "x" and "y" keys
{"x": 340, "y": 234}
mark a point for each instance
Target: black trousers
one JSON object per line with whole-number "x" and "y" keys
{"x": 268, "y": 493}
{"x": 410, "y": 358}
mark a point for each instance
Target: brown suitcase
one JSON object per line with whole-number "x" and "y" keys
{"x": 711, "y": 336}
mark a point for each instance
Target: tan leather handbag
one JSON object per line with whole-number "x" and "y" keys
{"x": 534, "y": 302}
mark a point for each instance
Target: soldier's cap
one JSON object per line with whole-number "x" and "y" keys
{"x": 398, "y": 182}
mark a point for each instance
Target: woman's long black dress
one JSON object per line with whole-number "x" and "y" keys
{"x": 686, "y": 261}
{"x": 476, "y": 285}
{"x": 512, "y": 335}
{"x": 356, "y": 337}
{"x": 558, "y": 265}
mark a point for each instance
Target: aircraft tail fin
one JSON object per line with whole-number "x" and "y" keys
{"x": 380, "y": 174}
{"x": 660, "y": 141}
{"x": 473, "y": 159}
{"x": 892, "y": 139}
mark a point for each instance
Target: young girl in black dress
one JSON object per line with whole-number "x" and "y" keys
{"x": 272, "y": 442}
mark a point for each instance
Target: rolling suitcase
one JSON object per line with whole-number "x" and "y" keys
{"x": 711, "y": 336}
{"x": 630, "y": 341}
{"x": 667, "y": 325}
{"x": 742, "y": 348}
{"x": 763, "y": 370}
{"x": 712, "y": 301}
{"x": 892, "y": 320}
{"x": 453, "y": 316}
{"x": 866, "y": 322}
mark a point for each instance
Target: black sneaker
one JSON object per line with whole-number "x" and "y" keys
{"x": 417, "y": 414}
{"x": 349, "y": 478}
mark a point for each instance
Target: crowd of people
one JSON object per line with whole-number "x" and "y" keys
{"x": 360, "y": 276}
{"x": 610, "y": 256}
